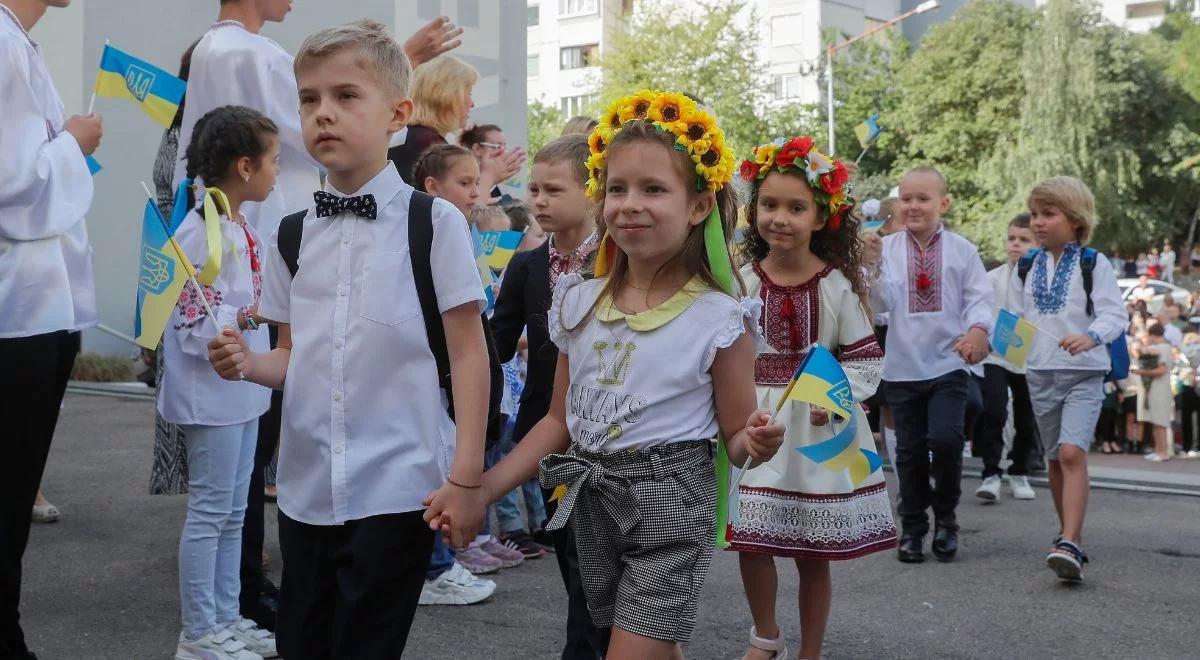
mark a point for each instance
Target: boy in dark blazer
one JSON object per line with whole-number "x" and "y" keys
{"x": 561, "y": 207}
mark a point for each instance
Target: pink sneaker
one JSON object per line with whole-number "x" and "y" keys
{"x": 507, "y": 556}
{"x": 478, "y": 562}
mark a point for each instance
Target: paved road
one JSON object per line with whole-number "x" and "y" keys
{"x": 101, "y": 583}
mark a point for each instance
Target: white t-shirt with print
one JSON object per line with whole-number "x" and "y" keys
{"x": 642, "y": 380}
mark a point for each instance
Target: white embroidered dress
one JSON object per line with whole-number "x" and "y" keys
{"x": 792, "y": 506}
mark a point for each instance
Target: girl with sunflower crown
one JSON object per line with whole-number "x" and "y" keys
{"x": 655, "y": 360}
{"x": 804, "y": 263}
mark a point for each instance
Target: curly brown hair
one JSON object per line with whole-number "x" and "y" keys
{"x": 840, "y": 248}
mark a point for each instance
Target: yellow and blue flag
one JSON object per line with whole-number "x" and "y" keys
{"x": 485, "y": 271}
{"x": 499, "y": 247}
{"x": 820, "y": 381}
{"x": 868, "y": 131}
{"x": 1012, "y": 337}
{"x": 161, "y": 277}
{"x": 841, "y": 452}
{"x": 124, "y": 76}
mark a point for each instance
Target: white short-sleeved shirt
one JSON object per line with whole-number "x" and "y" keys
{"x": 642, "y": 380}
{"x": 365, "y": 430}
{"x": 191, "y": 392}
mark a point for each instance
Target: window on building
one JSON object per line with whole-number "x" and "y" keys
{"x": 532, "y": 64}
{"x": 787, "y": 30}
{"x": 531, "y": 15}
{"x": 785, "y": 86}
{"x": 567, "y": 8}
{"x": 573, "y": 105}
{"x": 578, "y": 57}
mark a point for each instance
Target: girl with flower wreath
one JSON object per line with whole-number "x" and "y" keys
{"x": 655, "y": 360}
{"x": 804, "y": 263}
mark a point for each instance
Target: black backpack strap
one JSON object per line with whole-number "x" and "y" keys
{"x": 420, "y": 246}
{"x": 291, "y": 231}
{"x": 1087, "y": 264}
{"x": 1025, "y": 263}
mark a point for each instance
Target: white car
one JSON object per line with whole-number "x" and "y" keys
{"x": 1161, "y": 290}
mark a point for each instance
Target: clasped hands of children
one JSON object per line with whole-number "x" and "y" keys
{"x": 759, "y": 441}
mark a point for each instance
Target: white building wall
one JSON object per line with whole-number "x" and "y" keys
{"x": 159, "y": 31}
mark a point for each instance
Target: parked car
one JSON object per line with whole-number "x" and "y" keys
{"x": 1161, "y": 291}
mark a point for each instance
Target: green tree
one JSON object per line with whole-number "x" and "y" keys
{"x": 545, "y": 123}
{"x": 699, "y": 48}
{"x": 866, "y": 79}
{"x": 957, "y": 103}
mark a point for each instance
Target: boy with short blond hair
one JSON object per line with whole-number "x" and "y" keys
{"x": 365, "y": 437}
{"x": 1066, "y": 378}
{"x": 933, "y": 286}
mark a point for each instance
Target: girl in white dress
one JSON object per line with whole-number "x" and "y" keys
{"x": 803, "y": 262}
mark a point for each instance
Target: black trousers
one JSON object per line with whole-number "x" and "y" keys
{"x": 254, "y": 580}
{"x": 584, "y": 640}
{"x": 989, "y": 429}
{"x": 1189, "y": 406}
{"x": 929, "y": 415}
{"x": 33, "y": 379}
{"x": 349, "y": 592}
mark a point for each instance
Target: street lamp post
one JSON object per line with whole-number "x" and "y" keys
{"x": 928, "y": 5}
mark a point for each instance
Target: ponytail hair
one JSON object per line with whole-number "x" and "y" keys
{"x": 435, "y": 162}
{"x": 221, "y": 138}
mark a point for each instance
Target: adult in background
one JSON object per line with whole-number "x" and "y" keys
{"x": 487, "y": 143}
{"x": 1166, "y": 263}
{"x": 579, "y": 124}
{"x": 47, "y": 291}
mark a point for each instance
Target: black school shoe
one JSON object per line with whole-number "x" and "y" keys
{"x": 910, "y": 551}
{"x": 945, "y": 544}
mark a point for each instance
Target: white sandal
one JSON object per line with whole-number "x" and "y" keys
{"x": 777, "y": 646}
{"x": 45, "y": 513}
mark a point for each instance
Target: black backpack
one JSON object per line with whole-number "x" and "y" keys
{"x": 1118, "y": 351}
{"x": 420, "y": 244}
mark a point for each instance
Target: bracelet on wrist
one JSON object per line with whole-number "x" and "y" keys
{"x": 455, "y": 483}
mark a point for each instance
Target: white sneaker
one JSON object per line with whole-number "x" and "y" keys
{"x": 456, "y": 587}
{"x": 1021, "y": 489}
{"x": 256, "y": 639}
{"x": 220, "y": 644}
{"x": 1154, "y": 458}
{"x": 989, "y": 490}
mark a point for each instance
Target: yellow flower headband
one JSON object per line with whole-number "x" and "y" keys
{"x": 695, "y": 129}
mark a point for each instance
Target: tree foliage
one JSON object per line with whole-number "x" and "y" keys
{"x": 545, "y": 123}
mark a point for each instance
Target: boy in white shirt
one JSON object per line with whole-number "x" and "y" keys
{"x": 1066, "y": 379}
{"x": 47, "y": 294}
{"x": 365, "y": 434}
{"x": 1000, "y": 376}
{"x": 933, "y": 286}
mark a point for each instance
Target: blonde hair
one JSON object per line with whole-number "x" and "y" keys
{"x": 1073, "y": 198}
{"x": 438, "y": 87}
{"x": 490, "y": 218}
{"x": 579, "y": 124}
{"x": 373, "y": 46}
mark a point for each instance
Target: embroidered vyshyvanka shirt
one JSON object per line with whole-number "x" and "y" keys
{"x": 933, "y": 295}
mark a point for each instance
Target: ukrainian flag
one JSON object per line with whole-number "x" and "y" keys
{"x": 161, "y": 277}
{"x": 124, "y": 76}
{"x": 499, "y": 247}
{"x": 1012, "y": 337}
{"x": 820, "y": 381}
{"x": 868, "y": 131}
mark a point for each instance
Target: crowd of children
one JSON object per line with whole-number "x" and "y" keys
{"x": 629, "y": 339}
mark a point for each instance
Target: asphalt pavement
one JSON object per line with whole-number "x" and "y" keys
{"x": 101, "y": 583}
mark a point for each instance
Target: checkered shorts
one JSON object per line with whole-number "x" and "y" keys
{"x": 644, "y": 532}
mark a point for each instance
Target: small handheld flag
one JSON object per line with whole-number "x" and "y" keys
{"x": 499, "y": 247}
{"x": 1012, "y": 337}
{"x": 123, "y": 76}
{"x": 870, "y": 225}
{"x": 93, "y": 165}
{"x": 868, "y": 131}
{"x": 161, "y": 277}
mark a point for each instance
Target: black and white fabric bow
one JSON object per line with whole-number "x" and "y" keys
{"x": 577, "y": 473}
{"x": 362, "y": 205}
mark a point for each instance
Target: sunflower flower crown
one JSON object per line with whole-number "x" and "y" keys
{"x": 695, "y": 129}
{"x": 828, "y": 178}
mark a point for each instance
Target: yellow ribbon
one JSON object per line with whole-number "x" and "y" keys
{"x": 212, "y": 234}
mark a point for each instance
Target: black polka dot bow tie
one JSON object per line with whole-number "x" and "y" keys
{"x": 363, "y": 205}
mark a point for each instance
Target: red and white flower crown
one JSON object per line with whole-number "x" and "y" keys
{"x": 828, "y": 178}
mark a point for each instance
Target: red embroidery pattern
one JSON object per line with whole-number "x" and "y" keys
{"x": 925, "y": 275}
{"x": 866, "y": 348}
{"x": 190, "y": 306}
{"x": 561, "y": 264}
{"x": 789, "y": 323}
